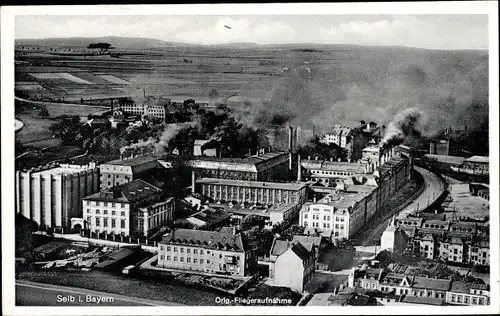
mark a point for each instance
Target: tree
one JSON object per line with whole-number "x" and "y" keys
{"x": 261, "y": 237}
{"x": 292, "y": 231}
{"x": 250, "y": 221}
{"x": 66, "y": 128}
{"x": 43, "y": 112}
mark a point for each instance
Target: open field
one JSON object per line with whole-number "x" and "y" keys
{"x": 36, "y": 132}
{"x": 333, "y": 84}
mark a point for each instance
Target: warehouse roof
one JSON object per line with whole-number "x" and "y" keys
{"x": 478, "y": 159}
{"x": 254, "y": 184}
{"x": 139, "y": 160}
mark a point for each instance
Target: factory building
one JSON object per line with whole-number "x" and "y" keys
{"x": 477, "y": 164}
{"x": 342, "y": 213}
{"x": 51, "y": 195}
{"x": 271, "y": 166}
{"x": 125, "y": 170}
{"x": 353, "y": 139}
{"x": 329, "y": 172}
{"x": 130, "y": 209}
{"x": 153, "y": 107}
{"x": 252, "y": 192}
{"x": 224, "y": 252}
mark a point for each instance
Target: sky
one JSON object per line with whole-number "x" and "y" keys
{"x": 424, "y": 31}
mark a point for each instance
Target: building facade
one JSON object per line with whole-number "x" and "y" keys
{"x": 146, "y": 220}
{"x": 111, "y": 211}
{"x": 342, "y": 213}
{"x": 295, "y": 267}
{"x": 52, "y": 195}
{"x": 330, "y": 173}
{"x": 225, "y": 252}
{"x": 122, "y": 171}
{"x": 477, "y": 164}
{"x": 253, "y": 192}
{"x": 272, "y": 166}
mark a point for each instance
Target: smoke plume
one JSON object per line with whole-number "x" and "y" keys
{"x": 407, "y": 123}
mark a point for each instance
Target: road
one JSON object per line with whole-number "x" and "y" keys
{"x": 39, "y": 294}
{"x": 433, "y": 187}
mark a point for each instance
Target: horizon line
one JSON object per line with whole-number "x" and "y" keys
{"x": 254, "y": 43}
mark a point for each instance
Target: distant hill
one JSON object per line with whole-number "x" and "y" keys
{"x": 116, "y": 41}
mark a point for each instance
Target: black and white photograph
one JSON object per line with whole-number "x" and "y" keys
{"x": 212, "y": 159}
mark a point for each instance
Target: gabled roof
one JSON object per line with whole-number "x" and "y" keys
{"x": 478, "y": 159}
{"x": 225, "y": 239}
{"x": 128, "y": 192}
{"x": 307, "y": 240}
{"x": 431, "y": 284}
{"x": 300, "y": 251}
{"x": 279, "y": 247}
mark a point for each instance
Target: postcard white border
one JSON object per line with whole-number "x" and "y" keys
{"x": 7, "y": 128}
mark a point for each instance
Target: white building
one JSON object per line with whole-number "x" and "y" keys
{"x": 51, "y": 195}
{"x": 342, "y": 213}
{"x": 339, "y": 136}
{"x": 112, "y": 211}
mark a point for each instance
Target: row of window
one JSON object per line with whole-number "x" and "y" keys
{"x": 122, "y": 205}
{"x": 336, "y": 173}
{"x": 105, "y": 222}
{"x": 105, "y": 212}
{"x": 181, "y": 259}
{"x": 466, "y": 299}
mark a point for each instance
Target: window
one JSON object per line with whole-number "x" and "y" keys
{"x": 122, "y": 213}
{"x": 455, "y": 251}
{"x": 88, "y": 202}
{"x": 341, "y": 219}
{"x": 182, "y": 249}
{"x": 162, "y": 257}
{"x": 220, "y": 256}
{"x": 105, "y": 222}
{"x": 208, "y": 261}
{"x": 195, "y": 251}
{"x": 97, "y": 203}
{"x": 182, "y": 259}
{"x": 466, "y": 300}
{"x": 122, "y": 224}
{"x": 175, "y": 258}
{"x": 195, "y": 260}
{"x": 474, "y": 300}
{"x": 105, "y": 212}
{"x": 123, "y": 205}
{"x": 113, "y": 213}
{"x": 168, "y": 258}
{"x": 305, "y": 215}
{"x": 97, "y": 211}
{"x": 168, "y": 248}
{"x": 201, "y": 260}
{"x": 175, "y": 249}
{"x": 113, "y": 204}
{"x": 305, "y": 224}
{"x": 105, "y": 203}
{"x": 98, "y": 221}
{"x": 89, "y": 220}
{"x": 201, "y": 251}
{"x": 208, "y": 252}
{"x": 188, "y": 250}
{"x": 113, "y": 223}
{"x": 341, "y": 227}
{"x": 481, "y": 301}
{"x": 337, "y": 226}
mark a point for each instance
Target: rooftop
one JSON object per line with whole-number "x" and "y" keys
{"x": 225, "y": 239}
{"x": 452, "y": 160}
{"x": 249, "y": 164}
{"x": 139, "y": 160}
{"x": 478, "y": 159}
{"x": 254, "y": 184}
{"x": 279, "y": 246}
{"x": 58, "y": 169}
{"x": 423, "y": 300}
{"x": 307, "y": 240}
{"x": 333, "y": 165}
{"x": 128, "y": 193}
{"x": 429, "y": 283}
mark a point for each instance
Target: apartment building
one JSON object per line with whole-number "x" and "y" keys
{"x": 252, "y": 192}
{"x": 462, "y": 293}
{"x": 51, "y": 195}
{"x": 225, "y": 252}
{"x": 130, "y": 209}
{"x": 343, "y": 212}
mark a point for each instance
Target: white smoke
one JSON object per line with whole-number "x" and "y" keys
{"x": 407, "y": 122}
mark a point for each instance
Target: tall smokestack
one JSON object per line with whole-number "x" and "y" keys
{"x": 299, "y": 169}
{"x": 290, "y": 146}
{"x": 193, "y": 181}
{"x": 314, "y": 130}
